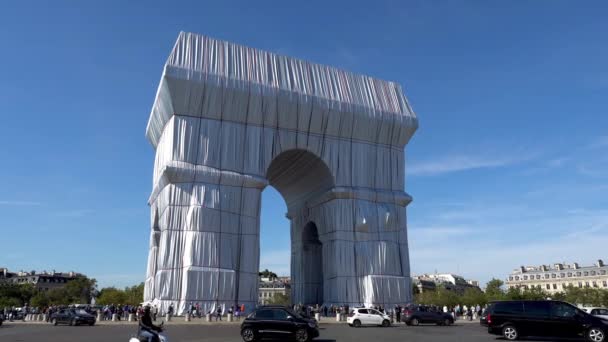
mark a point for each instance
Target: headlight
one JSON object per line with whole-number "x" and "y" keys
{"x": 312, "y": 325}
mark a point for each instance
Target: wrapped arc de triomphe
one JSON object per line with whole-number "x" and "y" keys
{"x": 229, "y": 120}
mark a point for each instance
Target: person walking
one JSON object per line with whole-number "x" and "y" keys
{"x": 218, "y": 313}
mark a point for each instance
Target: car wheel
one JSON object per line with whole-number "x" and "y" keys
{"x": 596, "y": 335}
{"x": 302, "y": 335}
{"x": 414, "y": 321}
{"x": 447, "y": 322}
{"x": 386, "y": 323}
{"x": 92, "y": 324}
{"x": 248, "y": 335}
{"x": 356, "y": 323}
{"x": 54, "y": 321}
{"x": 510, "y": 333}
{"x": 73, "y": 322}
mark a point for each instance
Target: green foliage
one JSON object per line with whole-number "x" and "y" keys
{"x": 133, "y": 295}
{"x": 16, "y": 294}
{"x": 77, "y": 291}
{"x": 579, "y": 296}
{"x": 267, "y": 274}
{"x": 494, "y": 290}
{"x": 280, "y": 299}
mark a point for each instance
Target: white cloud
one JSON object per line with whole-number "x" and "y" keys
{"x": 19, "y": 203}
{"x": 599, "y": 142}
{"x": 493, "y": 247}
{"x": 456, "y": 163}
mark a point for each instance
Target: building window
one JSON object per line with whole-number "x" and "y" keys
{"x": 548, "y": 287}
{"x": 586, "y": 274}
{"x": 538, "y": 276}
{"x": 555, "y": 286}
{"x": 580, "y": 284}
{"x": 586, "y": 284}
{"x": 516, "y": 277}
{"x": 592, "y": 273}
{"x": 546, "y": 276}
{"x": 569, "y": 274}
{"x": 562, "y": 275}
{"x": 525, "y": 277}
{"x": 553, "y": 275}
{"x": 594, "y": 284}
{"x": 605, "y": 283}
{"x": 578, "y": 274}
{"x": 510, "y": 278}
{"x": 603, "y": 272}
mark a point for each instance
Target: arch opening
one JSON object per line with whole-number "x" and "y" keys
{"x": 311, "y": 265}
{"x": 299, "y": 175}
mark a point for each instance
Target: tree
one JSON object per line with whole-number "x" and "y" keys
{"x": 280, "y": 299}
{"x": 267, "y": 274}
{"x": 494, "y": 290}
{"x": 111, "y": 295}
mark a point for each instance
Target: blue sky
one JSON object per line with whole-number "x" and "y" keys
{"x": 509, "y": 165}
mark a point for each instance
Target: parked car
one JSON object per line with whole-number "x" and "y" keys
{"x": 1, "y": 318}
{"x": 420, "y": 314}
{"x": 72, "y": 317}
{"x": 278, "y": 322}
{"x": 599, "y": 312}
{"x": 367, "y": 316}
{"x": 513, "y": 319}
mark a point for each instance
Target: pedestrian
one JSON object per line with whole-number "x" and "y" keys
{"x": 171, "y": 309}
{"x": 219, "y": 313}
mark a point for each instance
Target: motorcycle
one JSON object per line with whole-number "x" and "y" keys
{"x": 144, "y": 338}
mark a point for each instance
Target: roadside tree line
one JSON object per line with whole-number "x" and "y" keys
{"x": 78, "y": 291}
{"x": 586, "y": 296}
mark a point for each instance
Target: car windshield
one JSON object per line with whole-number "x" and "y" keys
{"x": 294, "y": 314}
{"x": 80, "y": 312}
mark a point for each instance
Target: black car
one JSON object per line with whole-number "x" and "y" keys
{"x": 545, "y": 318}
{"x": 1, "y": 318}
{"x": 72, "y": 317}
{"x": 278, "y": 322}
{"x": 419, "y": 314}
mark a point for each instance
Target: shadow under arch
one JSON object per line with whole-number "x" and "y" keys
{"x": 299, "y": 175}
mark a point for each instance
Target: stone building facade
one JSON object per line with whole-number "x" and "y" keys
{"x": 558, "y": 277}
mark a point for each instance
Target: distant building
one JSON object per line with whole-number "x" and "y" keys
{"x": 450, "y": 281}
{"x": 559, "y": 277}
{"x": 270, "y": 287}
{"x": 42, "y": 281}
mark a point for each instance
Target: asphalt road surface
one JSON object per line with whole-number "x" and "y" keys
{"x": 230, "y": 333}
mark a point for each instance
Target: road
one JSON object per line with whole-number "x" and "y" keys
{"x": 230, "y": 333}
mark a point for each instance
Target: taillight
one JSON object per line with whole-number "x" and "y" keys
{"x": 489, "y": 318}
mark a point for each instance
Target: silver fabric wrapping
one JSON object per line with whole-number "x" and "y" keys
{"x": 229, "y": 120}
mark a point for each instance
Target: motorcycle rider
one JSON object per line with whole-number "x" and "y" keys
{"x": 147, "y": 328}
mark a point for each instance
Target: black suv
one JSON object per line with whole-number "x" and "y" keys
{"x": 278, "y": 322}
{"x": 513, "y": 319}
{"x": 417, "y": 314}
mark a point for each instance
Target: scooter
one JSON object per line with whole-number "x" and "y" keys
{"x": 141, "y": 338}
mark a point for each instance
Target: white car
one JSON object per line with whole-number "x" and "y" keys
{"x": 364, "y": 316}
{"x": 599, "y": 312}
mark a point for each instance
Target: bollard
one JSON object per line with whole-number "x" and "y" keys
{"x": 229, "y": 317}
{"x": 208, "y": 317}
{"x": 338, "y": 318}
{"x": 114, "y": 317}
{"x": 98, "y": 316}
{"x": 131, "y": 317}
{"x": 167, "y": 318}
{"x": 43, "y": 317}
{"x": 38, "y": 317}
{"x": 318, "y": 317}
{"x": 187, "y": 317}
